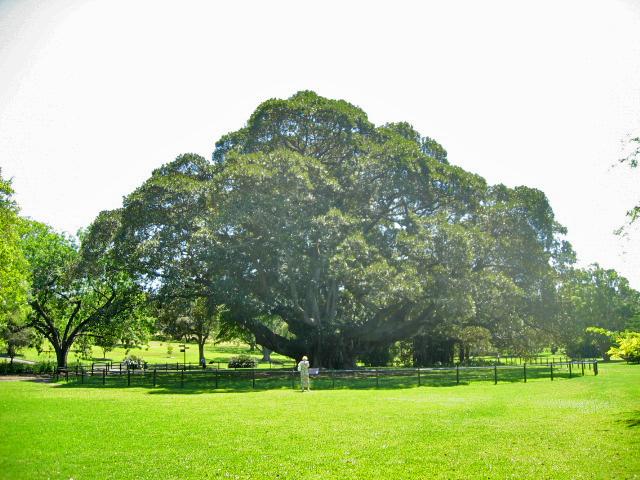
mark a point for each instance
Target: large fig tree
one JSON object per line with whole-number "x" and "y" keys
{"x": 356, "y": 236}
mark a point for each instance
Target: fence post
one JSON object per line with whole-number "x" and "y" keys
{"x": 81, "y": 374}
{"x": 595, "y": 367}
{"x": 333, "y": 379}
{"x": 154, "y": 378}
{"x": 217, "y": 378}
{"x": 419, "y": 379}
{"x": 66, "y": 375}
{"x": 458, "y": 374}
{"x": 104, "y": 375}
{"x": 495, "y": 374}
{"x": 92, "y": 368}
{"x": 182, "y": 378}
{"x": 525, "y": 372}
{"x": 253, "y": 374}
{"x": 292, "y": 381}
{"x": 583, "y": 368}
{"x": 569, "y": 370}
{"x": 551, "y": 371}
{"x": 128, "y": 377}
{"x": 377, "y": 384}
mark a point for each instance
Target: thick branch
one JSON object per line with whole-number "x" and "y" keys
{"x": 91, "y": 318}
{"x": 48, "y": 322}
{"x": 273, "y": 341}
{"x": 76, "y": 309}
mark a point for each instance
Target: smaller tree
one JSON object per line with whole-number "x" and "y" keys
{"x": 195, "y": 320}
{"x": 107, "y": 342}
{"x": 15, "y": 337}
{"x": 75, "y": 290}
{"x": 474, "y": 340}
{"x": 594, "y": 297}
{"x": 82, "y": 347}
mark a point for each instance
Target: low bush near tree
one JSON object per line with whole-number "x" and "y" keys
{"x": 628, "y": 347}
{"x": 242, "y": 361}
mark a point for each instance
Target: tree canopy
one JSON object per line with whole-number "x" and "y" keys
{"x": 354, "y": 235}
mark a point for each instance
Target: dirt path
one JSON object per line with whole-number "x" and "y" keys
{"x": 16, "y": 360}
{"x": 25, "y": 378}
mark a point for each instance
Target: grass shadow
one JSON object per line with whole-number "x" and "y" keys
{"x": 633, "y": 419}
{"x": 230, "y": 381}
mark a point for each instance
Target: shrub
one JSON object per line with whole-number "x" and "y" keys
{"x": 628, "y": 347}
{"x": 132, "y": 362}
{"x": 480, "y": 362}
{"x": 7, "y": 368}
{"x": 45, "y": 367}
{"x": 242, "y": 361}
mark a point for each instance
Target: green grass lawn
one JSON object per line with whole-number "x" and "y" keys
{"x": 157, "y": 352}
{"x": 584, "y": 428}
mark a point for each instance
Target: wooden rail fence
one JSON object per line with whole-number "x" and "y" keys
{"x": 183, "y": 375}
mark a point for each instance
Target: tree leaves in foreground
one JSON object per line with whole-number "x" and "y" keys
{"x": 14, "y": 269}
{"x": 631, "y": 159}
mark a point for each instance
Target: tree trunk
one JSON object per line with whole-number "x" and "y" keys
{"x": 61, "y": 356}
{"x": 334, "y": 352}
{"x": 266, "y": 354}
{"x": 431, "y": 350}
{"x": 461, "y": 353}
{"x": 201, "y": 343}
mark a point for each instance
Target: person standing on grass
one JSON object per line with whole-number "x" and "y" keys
{"x": 303, "y": 368}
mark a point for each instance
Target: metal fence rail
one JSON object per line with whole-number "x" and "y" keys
{"x": 180, "y": 375}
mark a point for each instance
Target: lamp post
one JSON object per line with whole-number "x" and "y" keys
{"x": 183, "y": 349}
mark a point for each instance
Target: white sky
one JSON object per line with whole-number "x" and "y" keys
{"x": 95, "y": 94}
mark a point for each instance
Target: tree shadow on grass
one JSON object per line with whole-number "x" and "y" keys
{"x": 632, "y": 420}
{"x": 197, "y": 382}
